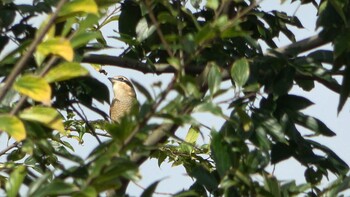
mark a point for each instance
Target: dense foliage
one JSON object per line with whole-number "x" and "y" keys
{"x": 204, "y": 44}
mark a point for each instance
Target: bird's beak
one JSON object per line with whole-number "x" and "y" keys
{"x": 111, "y": 79}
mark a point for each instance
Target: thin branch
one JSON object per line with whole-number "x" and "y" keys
{"x": 8, "y": 148}
{"x": 22, "y": 62}
{"x": 159, "y": 31}
{"x": 300, "y": 46}
{"x": 289, "y": 50}
{"x": 83, "y": 117}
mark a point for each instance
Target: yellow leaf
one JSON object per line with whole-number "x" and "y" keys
{"x": 56, "y": 46}
{"x": 34, "y": 87}
{"x": 65, "y": 71}
{"x": 13, "y": 126}
{"x": 45, "y": 115}
{"x": 76, "y": 6}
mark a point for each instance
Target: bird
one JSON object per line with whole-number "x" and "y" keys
{"x": 124, "y": 99}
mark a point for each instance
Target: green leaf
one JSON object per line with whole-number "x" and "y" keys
{"x": 240, "y": 72}
{"x": 55, "y": 188}
{"x": 209, "y": 107}
{"x": 77, "y": 6}
{"x": 339, "y": 6}
{"x": 143, "y": 30}
{"x": 214, "y": 78}
{"x": 56, "y": 46}
{"x": 313, "y": 124}
{"x": 293, "y": 102}
{"x": 338, "y": 186}
{"x": 213, "y": 4}
{"x": 284, "y": 81}
{"x": 272, "y": 185}
{"x": 143, "y": 90}
{"x": 192, "y": 135}
{"x": 280, "y": 152}
{"x": 221, "y": 153}
{"x": 87, "y": 192}
{"x": 345, "y": 89}
{"x": 15, "y": 181}
{"x": 13, "y": 126}
{"x": 45, "y": 115}
{"x": 149, "y": 191}
{"x": 34, "y": 87}
{"x": 204, "y": 177}
{"x": 342, "y": 43}
{"x": 65, "y": 71}
{"x": 83, "y": 38}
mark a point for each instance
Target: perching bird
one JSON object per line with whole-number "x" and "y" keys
{"x": 124, "y": 98}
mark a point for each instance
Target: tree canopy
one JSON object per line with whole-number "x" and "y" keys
{"x": 47, "y": 89}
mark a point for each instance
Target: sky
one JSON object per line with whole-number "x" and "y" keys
{"x": 174, "y": 179}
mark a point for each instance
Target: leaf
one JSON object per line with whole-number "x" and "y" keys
{"x": 55, "y": 188}
{"x": 214, "y": 78}
{"x": 339, "y": 7}
{"x": 15, "y": 181}
{"x": 76, "y": 6}
{"x": 209, "y": 107}
{"x": 34, "y": 87}
{"x": 143, "y": 90}
{"x": 204, "y": 177}
{"x": 245, "y": 119}
{"x": 65, "y": 71}
{"x": 45, "y": 115}
{"x": 345, "y": 89}
{"x": 293, "y": 102}
{"x": 341, "y": 43}
{"x": 280, "y": 152}
{"x": 313, "y": 124}
{"x": 143, "y": 30}
{"x": 284, "y": 81}
{"x": 83, "y": 38}
{"x": 13, "y": 126}
{"x": 240, "y": 72}
{"x": 149, "y": 191}
{"x": 192, "y": 135}
{"x": 213, "y": 4}
{"x": 56, "y": 46}
{"x": 272, "y": 185}
{"x": 221, "y": 153}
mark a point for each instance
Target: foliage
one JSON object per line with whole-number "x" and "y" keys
{"x": 204, "y": 44}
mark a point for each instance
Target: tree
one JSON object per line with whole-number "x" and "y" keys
{"x": 203, "y": 44}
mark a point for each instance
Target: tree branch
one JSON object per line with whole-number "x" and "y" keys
{"x": 289, "y": 50}
{"x": 300, "y": 46}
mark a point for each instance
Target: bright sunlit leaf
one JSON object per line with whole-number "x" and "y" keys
{"x": 192, "y": 135}
{"x": 56, "y": 46}
{"x": 13, "y": 126}
{"x": 34, "y": 87}
{"x": 65, "y": 71}
{"x": 45, "y": 115}
{"x": 77, "y": 6}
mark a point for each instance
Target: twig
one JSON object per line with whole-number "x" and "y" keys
{"x": 159, "y": 193}
{"x": 159, "y": 31}
{"x": 83, "y": 117}
{"x": 22, "y": 62}
{"x": 8, "y": 148}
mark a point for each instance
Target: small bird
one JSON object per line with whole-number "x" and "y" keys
{"x": 124, "y": 99}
